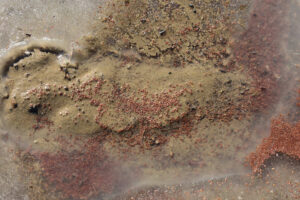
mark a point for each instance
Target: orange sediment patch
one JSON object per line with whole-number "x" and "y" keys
{"x": 284, "y": 138}
{"x": 79, "y": 174}
{"x": 259, "y": 50}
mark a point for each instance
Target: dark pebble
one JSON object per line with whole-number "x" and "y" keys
{"x": 162, "y": 32}
{"x": 229, "y": 82}
{"x": 34, "y": 109}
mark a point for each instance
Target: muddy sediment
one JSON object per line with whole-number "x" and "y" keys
{"x": 159, "y": 89}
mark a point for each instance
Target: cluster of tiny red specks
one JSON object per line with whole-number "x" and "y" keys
{"x": 91, "y": 90}
{"x": 140, "y": 102}
{"x": 185, "y": 127}
{"x": 79, "y": 174}
{"x": 42, "y": 122}
{"x": 259, "y": 50}
{"x": 87, "y": 90}
{"x": 146, "y": 105}
{"x": 284, "y": 138}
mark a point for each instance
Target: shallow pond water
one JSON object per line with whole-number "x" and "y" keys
{"x": 157, "y": 100}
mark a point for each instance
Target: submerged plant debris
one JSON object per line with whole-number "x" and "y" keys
{"x": 159, "y": 92}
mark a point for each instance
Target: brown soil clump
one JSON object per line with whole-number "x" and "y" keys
{"x": 130, "y": 73}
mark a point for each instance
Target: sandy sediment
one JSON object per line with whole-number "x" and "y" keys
{"x": 158, "y": 88}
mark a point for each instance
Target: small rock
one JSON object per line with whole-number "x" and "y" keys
{"x": 16, "y": 66}
{"x": 34, "y": 109}
{"x": 143, "y": 21}
{"x": 27, "y": 53}
{"x": 128, "y": 67}
{"x": 193, "y": 107}
{"x": 47, "y": 87}
{"x": 229, "y": 81}
{"x": 162, "y": 32}
{"x": 14, "y": 105}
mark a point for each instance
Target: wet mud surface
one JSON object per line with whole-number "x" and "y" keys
{"x": 161, "y": 100}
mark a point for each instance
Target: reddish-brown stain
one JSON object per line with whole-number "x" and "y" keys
{"x": 284, "y": 138}
{"x": 79, "y": 174}
{"x": 259, "y": 49}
